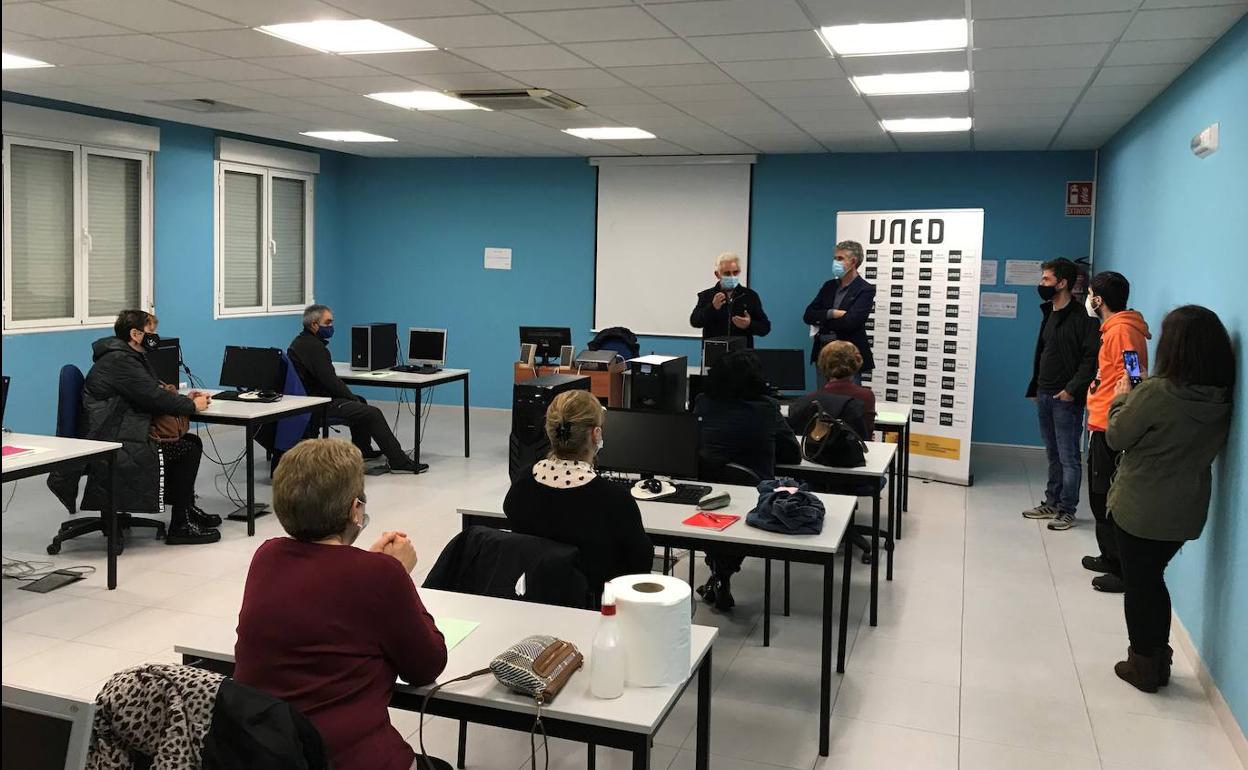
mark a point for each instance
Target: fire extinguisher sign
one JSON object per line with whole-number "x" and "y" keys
{"x": 1078, "y": 199}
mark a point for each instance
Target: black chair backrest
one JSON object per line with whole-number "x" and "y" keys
{"x": 508, "y": 565}
{"x": 69, "y": 402}
{"x": 727, "y": 473}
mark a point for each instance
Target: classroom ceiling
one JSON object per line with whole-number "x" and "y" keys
{"x": 705, "y": 76}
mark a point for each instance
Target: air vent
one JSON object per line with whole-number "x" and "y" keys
{"x": 520, "y": 99}
{"x": 200, "y": 105}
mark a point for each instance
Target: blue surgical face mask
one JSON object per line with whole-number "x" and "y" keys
{"x": 730, "y": 282}
{"x": 325, "y": 332}
{"x": 838, "y": 269}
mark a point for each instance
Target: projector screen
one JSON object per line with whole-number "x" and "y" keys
{"x": 660, "y": 228}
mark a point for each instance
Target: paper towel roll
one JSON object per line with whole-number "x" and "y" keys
{"x": 653, "y": 612}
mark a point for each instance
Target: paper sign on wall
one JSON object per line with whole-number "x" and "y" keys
{"x": 998, "y": 305}
{"x": 988, "y": 272}
{"x": 497, "y": 259}
{"x": 1022, "y": 272}
{"x": 1078, "y": 199}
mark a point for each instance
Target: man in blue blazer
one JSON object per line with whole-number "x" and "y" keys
{"x": 842, "y": 306}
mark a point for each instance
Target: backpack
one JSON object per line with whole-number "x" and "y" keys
{"x": 830, "y": 440}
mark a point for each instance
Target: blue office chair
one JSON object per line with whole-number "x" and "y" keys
{"x": 289, "y": 431}
{"x": 64, "y": 484}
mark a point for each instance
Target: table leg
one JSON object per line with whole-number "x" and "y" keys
{"x": 591, "y": 757}
{"x": 702, "y": 757}
{"x": 461, "y": 759}
{"x": 905, "y": 477}
{"x": 325, "y": 420}
{"x": 667, "y": 560}
{"x": 875, "y": 554}
{"x": 416, "y": 437}
{"x": 843, "y": 638}
{"x": 693, "y": 595}
{"x": 641, "y": 754}
{"x": 466, "y": 415}
{"x": 248, "y": 435}
{"x": 786, "y": 588}
{"x": 110, "y": 522}
{"x": 825, "y": 661}
{"x": 766, "y": 602}
{"x": 894, "y": 515}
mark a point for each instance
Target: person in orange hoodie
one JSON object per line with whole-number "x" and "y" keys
{"x": 1121, "y": 330}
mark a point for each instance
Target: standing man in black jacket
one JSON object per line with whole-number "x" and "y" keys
{"x": 729, "y": 308}
{"x": 309, "y": 352}
{"x": 842, "y": 306}
{"x": 1064, "y": 366}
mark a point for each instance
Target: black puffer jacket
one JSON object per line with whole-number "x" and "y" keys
{"x": 119, "y": 398}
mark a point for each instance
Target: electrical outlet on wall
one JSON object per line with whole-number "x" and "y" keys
{"x": 1205, "y": 143}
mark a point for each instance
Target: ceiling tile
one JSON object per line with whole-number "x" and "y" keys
{"x": 628, "y": 113}
{"x": 58, "y": 76}
{"x": 824, "y": 68}
{"x": 1019, "y": 113}
{"x": 421, "y": 63}
{"x": 363, "y": 84}
{"x": 711, "y": 142}
{"x": 144, "y": 15}
{"x": 795, "y": 105}
{"x": 1158, "y": 51}
{"x": 468, "y": 81}
{"x": 788, "y": 145}
{"x": 760, "y": 46}
{"x": 1110, "y": 109}
{"x": 637, "y": 53}
{"x": 951, "y": 142}
{"x": 510, "y": 6}
{"x": 728, "y": 17}
{"x": 295, "y": 87}
{"x": 251, "y": 13}
{"x": 383, "y": 10}
{"x": 144, "y": 73}
{"x": 710, "y": 110}
{"x": 147, "y": 48}
{"x": 578, "y": 78}
{"x": 672, "y": 75}
{"x": 9, "y": 36}
{"x": 828, "y": 12}
{"x": 922, "y": 106}
{"x": 802, "y": 89}
{"x": 1005, "y": 9}
{"x": 1030, "y": 123}
{"x": 1064, "y": 96}
{"x": 836, "y": 121}
{"x": 989, "y": 141}
{"x": 1126, "y": 93}
{"x": 215, "y": 90}
{"x": 45, "y": 21}
{"x": 60, "y": 54}
{"x": 595, "y": 24}
{"x": 239, "y": 43}
{"x": 1050, "y": 30}
{"x": 318, "y": 66}
{"x": 1150, "y": 4}
{"x": 525, "y": 57}
{"x": 1144, "y": 74}
{"x": 621, "y": 95}
{"x": 1060, "y": 78}
{"x": 1183, "y": 23}
{"x": 228, "y": 70}
{"x": 942, "y": 61}
{"x": 853, "y": 143}
{"x": 1031, "y": 57}
{"x": 468, "y": 31}
{"x": 702, "y": 93}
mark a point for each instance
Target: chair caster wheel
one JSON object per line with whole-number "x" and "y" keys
{"x": 54, "y": 549}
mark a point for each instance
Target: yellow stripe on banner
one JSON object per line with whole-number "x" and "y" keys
{"x": 935, "y": 446}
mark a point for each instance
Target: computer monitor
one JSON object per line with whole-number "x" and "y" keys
{"x": 650, "y": 443}
{"x": 784, "y": 369}
{"x": 426, "y": 347}
{"x": 166, "y": 359}
{"x": 45, "y": 732}
{"x": 252, "y": 368}
{"x": 548, "y": 339}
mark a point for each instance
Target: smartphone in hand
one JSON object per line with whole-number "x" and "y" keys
{"x": 1131, "y": 362}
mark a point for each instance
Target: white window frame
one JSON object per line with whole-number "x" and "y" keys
{"x": 265, "y": 308}
{"x": 82, "y": 238}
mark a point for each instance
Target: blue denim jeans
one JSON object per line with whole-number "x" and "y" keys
{"x": 1061, "y": 427}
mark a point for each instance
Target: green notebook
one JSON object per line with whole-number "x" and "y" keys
{"x": 455, "y": 630}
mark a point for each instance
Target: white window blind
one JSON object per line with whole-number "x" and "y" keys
{"x": 242, "y": 234}
{"x": 41, "y": 201}
{"x": 288, "y": 241}
{"x": 114, "y": 234}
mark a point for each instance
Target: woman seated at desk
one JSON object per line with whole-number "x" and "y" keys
{"x": 740, "y": 424}
{"x": 838, "y": 362}
{"x": 327, "y": 627}
{"x": 563, "y": 499}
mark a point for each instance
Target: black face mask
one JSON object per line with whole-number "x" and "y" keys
{"x": 1047, "y": 293}
{"x": 150, "y": 341}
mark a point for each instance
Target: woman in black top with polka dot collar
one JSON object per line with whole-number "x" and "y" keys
{"x": 564, "y": 500}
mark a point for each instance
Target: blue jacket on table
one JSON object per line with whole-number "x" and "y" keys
{"x": 718, "y": 323}
{"x": 851, "y": 327}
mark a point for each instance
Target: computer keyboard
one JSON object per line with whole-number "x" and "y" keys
{"x": 685, "y": 494}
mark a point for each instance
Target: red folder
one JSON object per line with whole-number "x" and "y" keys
{"x": 715, "y": 521}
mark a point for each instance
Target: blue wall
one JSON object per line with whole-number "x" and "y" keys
{"x": 1177, "y": 226}
{"x": 420, "y": 227}
{"x": 183, "y": 179}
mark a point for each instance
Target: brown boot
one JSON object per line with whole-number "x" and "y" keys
{"x": 1143, "y": 672}
{"x": 1167, "y": 660}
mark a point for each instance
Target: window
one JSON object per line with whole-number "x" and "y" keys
{"x": 263, "y": 240}
{"x": 77, "y": 234}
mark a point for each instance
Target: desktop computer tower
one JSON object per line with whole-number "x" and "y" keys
{"x": 374, "y": 346}
{"x": 715, "y": 348}
{"x": 529, "y": 399}
{"x": 659, "y": 385}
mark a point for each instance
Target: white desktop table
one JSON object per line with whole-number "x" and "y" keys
{"x": 664, "y": 525}
{"x": 385, "y": 378}
{"x": 895, "y": 418}
{"x": 250, "y": 415}
{"x": 53, "y": 453}
{"x": 629, "y": 722}
{"x": 881, "y": 460}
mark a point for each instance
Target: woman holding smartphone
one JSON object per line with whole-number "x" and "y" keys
{"x": 1169, "y": 429}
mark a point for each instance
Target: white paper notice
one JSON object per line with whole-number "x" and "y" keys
{"x": 988, "y": 272}
{"x": 1022, "y": 272}
{"x": 998, "y": 305}
{"x": 497, "y": 259}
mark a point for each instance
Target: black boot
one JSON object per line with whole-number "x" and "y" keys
{"x": 183, "y": 531}
{"x": 724, "y": 600}
{"x": 201, "y": 518}
{"x": 1142, "y": 670}
{"x": 709, "y": 591}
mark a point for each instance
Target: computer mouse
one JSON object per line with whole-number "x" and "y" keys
{"x": 654, "y": 486}
{"x": 714, "y": 501}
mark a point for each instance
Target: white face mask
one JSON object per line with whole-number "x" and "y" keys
{"x": 1087, "y": 304}
{"x": 598, "y": 443}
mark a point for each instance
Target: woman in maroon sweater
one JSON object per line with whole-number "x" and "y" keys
{"x": 327, "y": 627}
{"x": 839, "y": 361}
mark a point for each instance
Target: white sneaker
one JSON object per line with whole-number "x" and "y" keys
{"x": 1041, "y": 511}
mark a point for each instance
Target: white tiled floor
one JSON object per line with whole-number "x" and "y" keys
{"x": 992, "y": 651}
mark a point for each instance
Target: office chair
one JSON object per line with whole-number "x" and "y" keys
{"x": 65, "y": 485}
{"x": 289, "y": 431}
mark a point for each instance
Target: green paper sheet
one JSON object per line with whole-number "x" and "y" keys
{"x": 891, "y": 416}
{"x": 455, "y": 630}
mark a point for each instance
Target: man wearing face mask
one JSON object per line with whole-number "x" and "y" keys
{"x": 841, "y": 308}
{"x": 1065, "y": 363}
{"x": 729, "y": 308}
{"x": 1121, "y": 330}
{"x": 309, "y": 352}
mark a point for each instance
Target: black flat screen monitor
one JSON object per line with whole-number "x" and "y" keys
{"x": 252, "y": 368}
{"x": 650, "y": 443}
{"x": 783, "y": 369}
{"x": 426, "y": 346}
{"x": 548, "y": 339}
{"x": 166, "y": 359}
